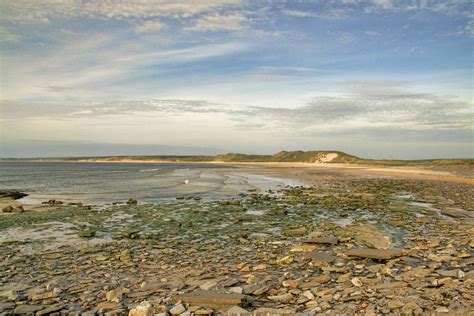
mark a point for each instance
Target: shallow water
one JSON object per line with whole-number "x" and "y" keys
{"x": 104, "y": 183}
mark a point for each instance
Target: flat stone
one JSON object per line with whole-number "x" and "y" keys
{"x": 214, "y": 298}
{"x": 285, "y": 298}
{"x": 27, "y": 309}
{"x": 319, "y": 257}
{"x": 237, "y": 311}
{"x": 389, "y": 285}
{"x": 322, "y": 240}
{"x": 273, "y": 311}
{"x": 380, "y": 254}
{"x": 50, "y": 310}
{"x": 177, "y": 309}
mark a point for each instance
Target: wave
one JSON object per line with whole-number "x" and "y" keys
{"x": 149, "y": 170}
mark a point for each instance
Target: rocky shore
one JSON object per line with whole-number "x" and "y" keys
{"x": 344, "y": 245}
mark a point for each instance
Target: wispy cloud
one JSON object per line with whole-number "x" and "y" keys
{"x": 218, "y": 22}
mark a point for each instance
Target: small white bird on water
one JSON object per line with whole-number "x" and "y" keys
{"x": 186, "y": 181}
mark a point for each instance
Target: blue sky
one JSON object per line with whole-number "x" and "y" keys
{"x": 374, "y": 78}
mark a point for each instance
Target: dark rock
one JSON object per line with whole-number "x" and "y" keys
{"x": 132, "y": 202}
{"x": 7, "y": 209}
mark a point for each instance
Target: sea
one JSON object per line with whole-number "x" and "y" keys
{"x": 107, "y": 183}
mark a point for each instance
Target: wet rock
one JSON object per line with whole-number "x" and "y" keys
{"x": 132, "y": 202}
{"x": 380, "y": 254}
{"x": 15, "y": 195}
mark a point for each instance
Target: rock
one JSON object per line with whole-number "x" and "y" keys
{"x": 19, "y": 209}
{"x": 284, "y": 298}
{"x": 356, "y": 282}
{"x": 308, "y": 294}
{"x": 321, "y": 279}
{"x": 50, "y": 309}
{"x": 87, "y": 233}
{"x": 15, "y": 195}
{"x": 142, "y": 309}
{"x": 125, "y": 255}
{"x": 284, "y": 261}
{"x": 7, "y": 209}
{"x": 295, "y": 232}
{"x": 389, "y": 285}
{"x": 380, "y": 254}
{"x": 319, "y": 257}
{"x": 177, "y": 309}
{"x": 265, "y": 311}
{"x": 214, "y": 298}
{"x": 290, "y": 283}
{"x": 132, "y": 202}
{"x": 114, "y": 296}
{"x": 27, "y": 309}
{"x": 237, "y": 311}
{"x": 209, "y": 285}
{"x": 236, "y": 289}
{"x": 322, "y": 240}
{"x": 394, "y": 304}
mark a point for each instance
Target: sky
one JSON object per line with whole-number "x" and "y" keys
{"x": 374, "y": 78}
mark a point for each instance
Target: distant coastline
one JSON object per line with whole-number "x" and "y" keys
{"x": 301, "y": 158}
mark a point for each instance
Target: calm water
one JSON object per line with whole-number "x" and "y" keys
{"x": 103, "y": 183}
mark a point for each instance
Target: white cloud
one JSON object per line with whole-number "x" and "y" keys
{"x": 297, "y": 13}
{"x": 150, "y": 26}
{"x": 41, "y": 11}
{"x": 217, "y": 22}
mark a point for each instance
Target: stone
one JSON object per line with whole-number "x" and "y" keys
{"x": 380, "y": 254}
{"x": 265, "y": 311}
{"x": 389, "y": 285}
{"x": 295, "y": 232}
{"x": 319, "y": 257}
{"x": 394, "y": 304}
{"x": 132, "y": 202}
{"x": 237, "y": 311}
{"x": 356, "y": 282}
{"x": 87, "y": 233}
{"x": 27, "y": 309}
{"x": 177, "y": 309}
{"x": 19, "y": 209}
{"x": 284, "y": 298}
{"x": 7, "y": 209}
{"x": 285, "y": 261}
{"x": 321, "y": 279}
{"x": 209, "y": 285}
{"x": 114, "y": 296}
{"x": 142, "y": 309}
{"x": 50, "y": 309}
{"x": 322, "y": 240}
{"x": 290, "y": 283}
{"x": 201, "y": 297}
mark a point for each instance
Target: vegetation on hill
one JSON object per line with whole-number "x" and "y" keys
{"x": 283, "y": 156}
